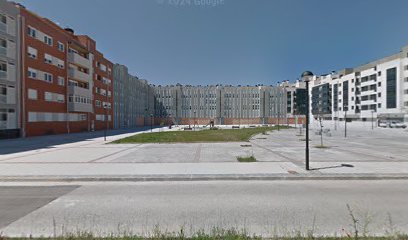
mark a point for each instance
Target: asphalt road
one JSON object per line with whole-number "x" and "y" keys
{"x": 16, "y": 202}
{"x": 261, "y": 207}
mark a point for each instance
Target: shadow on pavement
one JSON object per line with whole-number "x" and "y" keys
{"x": 8, "y": 146}
{"x": 336, "y": 166}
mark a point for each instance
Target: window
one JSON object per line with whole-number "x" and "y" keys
{"x": 61, "y": 47}
{"x": 48, "y": 77}
{"x": 48, "y": 96}
{"x": 48, "y": 40}
{"x": 72, "y": 83}
{"x": 48, "y": 58}
{"x": 61, "y": 81}
{"x": 3, "y": 90}
{"x": 3, "y": 116}
{"x": 3, "y": 67}
{"x": 3, "y": 19}
{"x": 60, "y": 98}
{"x": 32, "y": 32}
{"x": 32, "y": 73}
{"x": 98, "y": 103}
{"x": 32, "y": 52}
{"x": 60, "y": 64}
{"x": 101, "y": 66}
{"x": 3, "y": 43}
{"x": 379, "y": 94}
{"x": 392, "y": 88}
{"x": 32, "y": 94}
{"x": 379, "y": 73}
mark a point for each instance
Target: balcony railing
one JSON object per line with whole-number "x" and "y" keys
{"x": 78, "y": 75}
{"x": 75, "y": 90}
{"x": 79, "y": 107}
{"x": 79, "y": 60}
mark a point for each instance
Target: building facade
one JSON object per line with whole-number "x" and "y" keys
{"x": 226, "y": 105}
{"x": 53, "y": 81}
{"x": 66, "y": 82}
{"x": 374, "y": 91}
{"x": 296, "y": 98}
{"x": 133, "y": 99}
{"x": 10, "y": 83}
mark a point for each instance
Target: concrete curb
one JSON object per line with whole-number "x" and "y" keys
{"x": 198, "y": 177}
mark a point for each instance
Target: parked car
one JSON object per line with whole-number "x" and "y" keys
{"x": 383, "y": 124}
{"x": 397, "y": 124}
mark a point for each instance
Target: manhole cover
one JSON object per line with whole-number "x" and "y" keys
{"x": 246, "y": 145}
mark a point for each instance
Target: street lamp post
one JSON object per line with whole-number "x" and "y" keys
{"x": 145, "y": 118}
{"x": 169, "y": 121}
{"x": 307, "y": 77}
{"x": 345, "y": 123}
{"x": 278, "y": 107}
{"x": 105, "y": 106}
{"x": 194, "y": 119}
{"x": 151, "y": 122}
{"x": 335, "y": 120}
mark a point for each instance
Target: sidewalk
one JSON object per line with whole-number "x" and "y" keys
{"x": 198, "y": 171}
{"x": 86, "y": 157}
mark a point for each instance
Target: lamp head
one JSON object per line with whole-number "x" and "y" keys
{"x": 307, "y": 76}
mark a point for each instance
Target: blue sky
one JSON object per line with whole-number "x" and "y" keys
{"x": 234, "y": 41}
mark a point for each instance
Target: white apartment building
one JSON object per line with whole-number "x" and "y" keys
{"x": 374, "y": 91}
{"x": 9, "y": 70}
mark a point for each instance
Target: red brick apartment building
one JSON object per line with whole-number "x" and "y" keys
{"x": 66, "y": 82}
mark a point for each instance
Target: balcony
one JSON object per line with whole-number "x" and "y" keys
{"x": 79, "y": 107}
{"x": 79, "y": 60}
{"x": 369, "y": 102}
{"x": 74, "y": 90}
{"x": 78, "y": 75}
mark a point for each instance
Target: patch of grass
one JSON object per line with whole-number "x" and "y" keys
{"x": 221, "y": 135}
{"x": 322, "y": 147}
{"x": 246, "y": 159}
{"x": 217, "y": 234}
